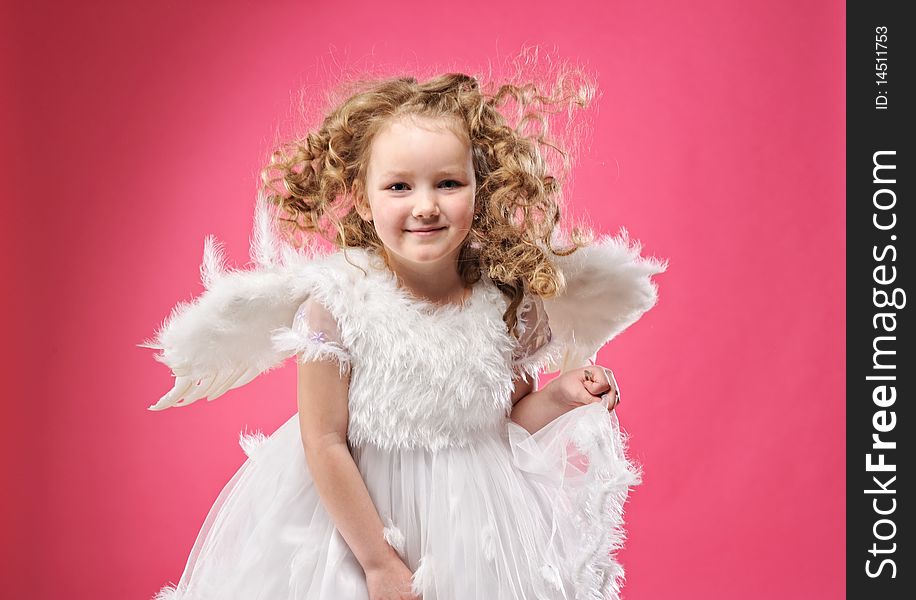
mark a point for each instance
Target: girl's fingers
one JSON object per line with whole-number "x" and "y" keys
{"x": 600, "y": 383}
{"x": 596, "y": 383}
{"x": 589, "y": 399}
{"x": 614, "y": 393}
{"x": 597, "y": 380}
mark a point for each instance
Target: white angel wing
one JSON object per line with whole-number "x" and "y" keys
{"x": 189, "y": 389}
{"x": 608, "y": 288}
{"x": 223, "y": 339}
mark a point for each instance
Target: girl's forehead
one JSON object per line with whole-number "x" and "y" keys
{"x": 434, "y": 124}
{"x": 422, "y": 141}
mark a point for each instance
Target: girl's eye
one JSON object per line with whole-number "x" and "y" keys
{"x": 403, "y": 187}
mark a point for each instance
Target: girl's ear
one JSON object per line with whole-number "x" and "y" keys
{"x": 360, "y": 200}
{"x": 363, "y": 209}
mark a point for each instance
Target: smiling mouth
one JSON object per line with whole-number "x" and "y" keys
{"x": 426, "y": 230}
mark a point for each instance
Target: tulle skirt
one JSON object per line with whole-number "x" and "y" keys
{"x": 509, "y": 516}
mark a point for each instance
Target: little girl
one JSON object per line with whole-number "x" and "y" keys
{"x": 423, "y": 461}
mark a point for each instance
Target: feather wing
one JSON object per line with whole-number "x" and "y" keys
{"x": 608, "y": 288}
{"x": 223, "y": 339}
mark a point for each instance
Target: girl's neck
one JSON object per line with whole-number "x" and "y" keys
{"x": 434, "y": 283}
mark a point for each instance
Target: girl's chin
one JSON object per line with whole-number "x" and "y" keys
{"x": 424, "y": 253}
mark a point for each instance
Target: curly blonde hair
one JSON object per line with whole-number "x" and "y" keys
{"x": 316, "y": 180}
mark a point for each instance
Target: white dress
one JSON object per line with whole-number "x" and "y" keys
{"x": 475, "y": 505}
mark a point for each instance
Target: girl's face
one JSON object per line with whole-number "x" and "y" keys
{"x": 420, "y": 189}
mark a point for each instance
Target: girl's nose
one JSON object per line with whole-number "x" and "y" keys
{"x": 426, "y": 206}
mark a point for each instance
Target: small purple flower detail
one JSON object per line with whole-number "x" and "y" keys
{"x": 319, "y": 337}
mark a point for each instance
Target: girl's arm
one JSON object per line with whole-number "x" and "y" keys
{"x": 535, "y": 408}
{"x": 323, "y": 417}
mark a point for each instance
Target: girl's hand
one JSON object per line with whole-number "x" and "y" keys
{"x": 586, "y": 385}
{"x": 393, "y": 581}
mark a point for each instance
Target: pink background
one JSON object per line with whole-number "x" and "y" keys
{"x": 135, "y": 131}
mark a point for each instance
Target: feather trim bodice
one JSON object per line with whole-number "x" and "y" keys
{"x": 421, "y": 375}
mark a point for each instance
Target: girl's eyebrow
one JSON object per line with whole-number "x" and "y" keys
{"x": 450, "y": 171}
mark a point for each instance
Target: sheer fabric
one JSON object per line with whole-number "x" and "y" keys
{"x": 318, "y": 335}
{"x": 534, "y": 337}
